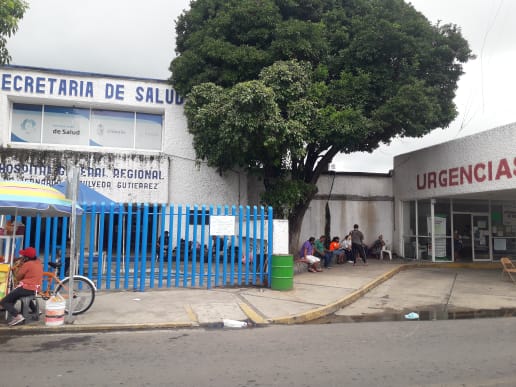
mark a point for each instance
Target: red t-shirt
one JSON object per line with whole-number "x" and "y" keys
{"x": 30, "y": 275}
{"x": 334, "y": 246}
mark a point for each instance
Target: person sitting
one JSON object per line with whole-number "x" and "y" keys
{"x": 336, "y": 250}
{"x": 306, "y": 254}
{"x": 321, "y": 252}
{"x": 346, "y": 247}
{"x": 378, "y": 245}
{"x": 166, "y": 239}
{"x": 29, "y": 277}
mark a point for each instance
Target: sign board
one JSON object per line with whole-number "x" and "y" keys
{"x": 222, "y": 225}
{"x": 280, "y": 236}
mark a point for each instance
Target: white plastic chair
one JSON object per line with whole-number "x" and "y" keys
{"x": 385, "y": 251}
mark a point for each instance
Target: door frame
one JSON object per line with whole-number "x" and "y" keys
{"x": 471, "y": 235}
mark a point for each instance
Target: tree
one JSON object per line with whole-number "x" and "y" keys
{"x": 279, "y": 87}
{"x": 11, "y": 12}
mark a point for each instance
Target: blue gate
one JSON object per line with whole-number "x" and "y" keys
{"x": 118, "y": 246}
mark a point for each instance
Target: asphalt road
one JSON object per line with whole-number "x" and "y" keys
{"x": 478, "y": 352}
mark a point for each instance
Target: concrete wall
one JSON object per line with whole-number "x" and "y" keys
{"x": 365, "y": 199}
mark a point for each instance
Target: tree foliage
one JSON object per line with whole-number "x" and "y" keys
{"x": 11, "y": 12}
{"x": 281, "y": 86}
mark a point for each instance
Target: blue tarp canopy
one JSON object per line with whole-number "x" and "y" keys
{"x": 86, "y": 196}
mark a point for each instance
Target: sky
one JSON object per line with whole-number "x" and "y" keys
{"x": 136, "y": 38}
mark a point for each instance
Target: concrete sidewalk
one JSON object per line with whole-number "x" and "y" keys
{"x": 406, "y": 285}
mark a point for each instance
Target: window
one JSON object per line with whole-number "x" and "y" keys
{"x": 26, "y": 123}
{"x": 44, "y": 124}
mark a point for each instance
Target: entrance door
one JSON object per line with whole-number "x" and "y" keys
{"x": 480, "y": 237}
{"x": 474, "y": 237}
{"x": 461, "y": 238}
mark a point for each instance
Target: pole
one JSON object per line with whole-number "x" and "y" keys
{"x": 73, "y": 182}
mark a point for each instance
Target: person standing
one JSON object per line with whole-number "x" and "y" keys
{"x": 29, "y": 278}
{"x": 357, "y": 241}
{"x": 306, "y": 253}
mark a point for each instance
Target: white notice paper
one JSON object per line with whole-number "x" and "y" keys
{"x": 222, "y": 225}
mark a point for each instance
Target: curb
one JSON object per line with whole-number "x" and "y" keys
{"x": 334, "y": 306}
{"x": 70, "y": 328}
{"x": 323, "y": 311}
{"x": 252, "y": 315}
{"x": 248, "y": 310}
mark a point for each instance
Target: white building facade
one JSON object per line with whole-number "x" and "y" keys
{"x": 128, "y": 136}
{"x": 456, "y": 201}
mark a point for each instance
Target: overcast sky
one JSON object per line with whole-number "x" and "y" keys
{"x": 136, "y": 38}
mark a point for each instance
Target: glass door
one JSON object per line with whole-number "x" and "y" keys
{"x": 480, "y": 237}
{"x": 462, "y": 237}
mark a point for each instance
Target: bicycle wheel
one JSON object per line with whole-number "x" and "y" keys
{"x": 83, "y": 294}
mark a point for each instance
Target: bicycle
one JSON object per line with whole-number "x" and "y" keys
{"x": 83, "y": 289}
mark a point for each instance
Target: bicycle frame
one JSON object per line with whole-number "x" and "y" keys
{"x": 52, "y": 282}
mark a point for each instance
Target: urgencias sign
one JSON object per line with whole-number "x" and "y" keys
{"x": 481, "y": 172}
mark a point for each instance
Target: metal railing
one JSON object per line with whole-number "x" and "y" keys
{"x": 117, "y": 245}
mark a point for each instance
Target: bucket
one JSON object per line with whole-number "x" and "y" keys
{"x": 55, "y": 311}
{"x": 282, "y": 272}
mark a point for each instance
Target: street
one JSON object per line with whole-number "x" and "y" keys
{"x": 476, "y": 352}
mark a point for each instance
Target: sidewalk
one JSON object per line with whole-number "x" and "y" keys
{"x": 314, "y": 295}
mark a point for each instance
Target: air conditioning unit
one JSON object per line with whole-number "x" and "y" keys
{"x": 332, "y": 167}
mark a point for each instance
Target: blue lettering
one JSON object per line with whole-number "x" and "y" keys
{"x": 119, "y": 94}
{"x": 73, "y": 88}
{"x": 51, "y": 81}
{"x": 89, "y": 89}
{"x": 179, "y": 99}
{"x": 150, "y": 95}
{"x": 139, "y": 94}
{"x": 157, "y": 97}
{"x": 62, "y": 87}
{"x": 29, "y": 85}
{"x": 61, "y": 170}
{"x": 114, "y": 91}
{"x": 17, "y": 83}
{"x": 40, "y": 85}
{"x": 169, "y": 96}
{"x": 6, "y": 82}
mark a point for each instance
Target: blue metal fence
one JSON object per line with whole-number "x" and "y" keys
{"x": 117, "y": 245}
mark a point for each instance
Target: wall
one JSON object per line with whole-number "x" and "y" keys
{"x": 362, "y": 198}
{"x": 124, "y": 175}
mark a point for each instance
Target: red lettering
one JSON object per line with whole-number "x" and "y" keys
{"x": 479, "y": 177}
{"x": 443, "y": 181}
{"x": 454, "y": 176}
{"x": 490, "y": 170}
{"x": 503, "y": 170}
{"x": 421, "y": 185}
{"x": 466, "y": 175}
{"x": 432, "y": 177}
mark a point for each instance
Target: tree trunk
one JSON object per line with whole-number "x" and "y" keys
{"x": 295, "y": 221}
{"x": 327, "y": 223}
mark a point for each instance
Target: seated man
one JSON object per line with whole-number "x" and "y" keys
{"x": 336, "y": 250}
{"x": 166, "y": 239}
{"x": 306, "y": 253}
{"x": 29, "y": 277}
{"x": 321, "y": 252}
{"x": 377, "y": 247}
